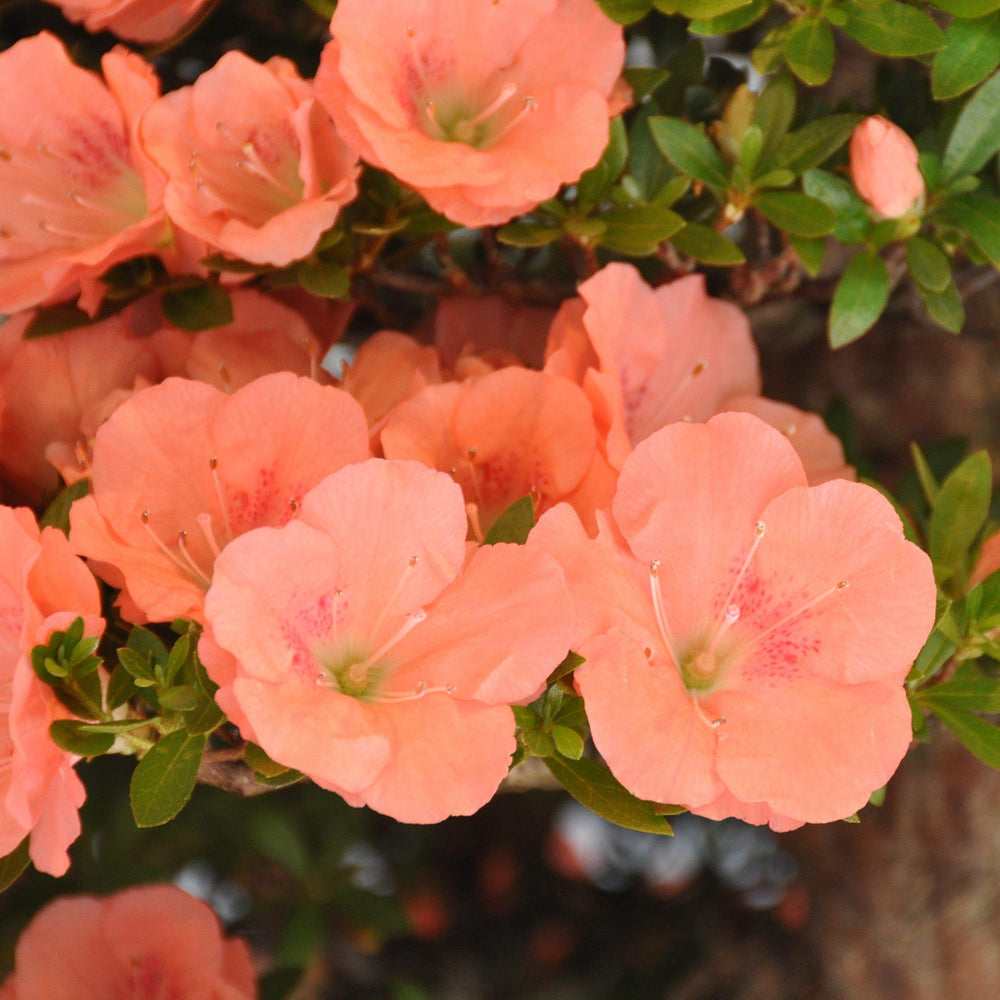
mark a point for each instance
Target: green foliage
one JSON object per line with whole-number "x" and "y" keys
{"x": 861, "y": 296}
{"x": 960, "y": 510}
{"x": 164, "y": 779}
{"x": 514, "y": 524}
{"x": 197, "y": 307}
{"x": 971, "y": 52}
{"x": 12, "y": 865}
{"x": 976, "y": 135}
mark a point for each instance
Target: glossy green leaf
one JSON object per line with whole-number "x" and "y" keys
{"x": 257, "y": 759}
{"x": 200, "y": 307}
{"x": 936, "y": 652}
{"x": 164, "y": 779}
{"x": 13, "y": 865}
{"x": 928, "y": 264}
{"x": 529, "y": 234}
{"x": 625, "y": 11}
{"x": 774, "y": 112}
{"x": 968, "y": 690}
{"x": 971, "y": 52}
{"x": 57, "y": 513}
{"x": 568, "y": 742}
{"x": 704, "y": 244}
{"x": 769, "y": 54}
{"x": 978, "y": 736}
{"x": 816, "y": 142}
{"x": 597, "y": 181}
{"x": 891, "y": 28}
{"x": 699, "y": 8}
{"x": 595, "y": 787}
{"x": 860, "y": 298}
{"x": 945, "y": 307}
{"x": 734, "y": 20}
{"x": 570, "y": 662}
{"x": 967, "y": 8}
{"x": 811, "y": 254}
{"x": 852, "y": 223}
{"x": 325, "y": 279}
{"x": 809, "y": 50}
{"x": 205, "y": 717}
{"x": 978, "y": 215}
{"x": 514, "y": 524}
{"x": 72, "y": 736}
{"x": 121, "y": 687}
{"x": 962, "y": 504}
{"x": 796, "y": 213}
{"x": 639, "y": 230}
{"x": 688, "y": 148}
{"x": 976, "y": 135}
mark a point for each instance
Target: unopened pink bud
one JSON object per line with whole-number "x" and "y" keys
{"x": 884, "y": 167}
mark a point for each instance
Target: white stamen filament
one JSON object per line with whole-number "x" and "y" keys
{"x": 759, "y": 529}
{"x": 189, "y": 559}
{"x": 213, "y": 464}
{"x": 661, "y": 618}
{"x": 205, "y": 524}
{"x": 412, "y": 621}
{"x": 759, "y": 636}
{"x": 185, "y": 567}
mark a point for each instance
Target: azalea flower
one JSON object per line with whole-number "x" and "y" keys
{"x": 136, "y": 20}
{"x": 746, "y": 636}
{"x": 181, "y": 469}
{"x": 365, "y": 646}
{"x": 75, "y": 197}
{"x": 149, "y": 942}
{"x": 484, "y": 106}
{"x": 43, "y": 589}
{"x": 261, "y": 178}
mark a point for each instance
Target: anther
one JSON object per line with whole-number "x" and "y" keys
{"x": 699, "y": 368}
{"x": 414, "y": 560}
{"x": 715, "y": 723}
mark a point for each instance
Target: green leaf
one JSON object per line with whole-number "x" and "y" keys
{"x": 774, "y": 113}
{"x": 967, "y": 8}
{"x": 12, "y": 865}
{"x": 595, "y": 787}
{"x": 810, "y": 145}
{"x": 182, "y": 698}
{"x": 121, "y": 687}
{"x": 138, "y": 665}
{"x": 769, "y": 53}
{"x": 570, "y": 662}
{"x": 852, "y": 222}
{"x": 514, "y": 524}
{"x": 205, "y": 717}
{"x": 945, "y": 308}
{"x": 928, "y": 264}
{"x": 688, "y": 148}
{"x": 257, "y": 759}
{"x": 706, "y": 245}
{"x": 325, "y": 279}
{"x": 967, "y": 690}
{"x": 978, "y": 736}
{"x": 978, "y": 215}
{"x": 597, "y": 181}
{"x": 529, "y": 234}
{"x": 925, "y": 475}
{"x": 809, "y": 50}
{"x": 961, "y": 508}
{"x": 644, "y": 80}
{"x": 568, "y": 742}
{"x": 734, "y": 20}
{"x": 164, "y": 779}
{"x": 56, "y": 319}
{"x": 971, "y": 52}
{"x": 200, "y": 307}
{"x": 795, "y": 213}
{"x": 537, "y": 742}
{"x": 699, "y": 8}
{"x": 936, "y": 652}
{"x": 976, "y": 135}
{"x": 57, "y": 513}
{"x": 891, "y": 28}
{"x": 625, "y": 11}
{"x": 810, "y": 253}
{"x": 638, "y": 230}
{"x": 860, "y": 298}
{"x": 69, "y": 735}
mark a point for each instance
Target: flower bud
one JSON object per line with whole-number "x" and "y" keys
{"x": 884, "y": 167}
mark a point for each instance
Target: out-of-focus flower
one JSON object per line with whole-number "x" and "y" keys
{"x": 746, "y": 637}
{"x": 884, "y": 167}
{"x": 74, "y": 197}
{"x": 181, "y": 469}
{"x": 150, "y": 942}
{"x": 260, "y": 178}
{"x": 484, "y": 106}
{"x": 363, "y": 644}
{"x": 136, "y": 20}
{"x": 43, "y": 588}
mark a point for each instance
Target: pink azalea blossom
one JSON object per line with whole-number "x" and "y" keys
{"x": 648, "y": 357}
{"x": 136, "y": 20}
{"x": 884, "y": 167}
{"x": 181, "y": 469}
{"x": 364, "y": 645}
{"x": 74, "y": 197}
{"x": 508, "y": 434}
{"x": 484, "y": 107}
{"x": 149, "y": 943}
{"x": 260, "y": 178}
{"x": 43, "y": 588}
{"x": 746, "y": 636}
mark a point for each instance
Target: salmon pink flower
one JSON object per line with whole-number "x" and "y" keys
{"x": 181, "y": 469}
{"x": 884, "y": 167}
{"x": 746, "y": 636}
{"x": 260, "y": 178}
{"x": 74, "y": 199}
{"x": 136, "y": 20}
{"x": 484, "y": 106}
{"x": 508, "y": 434}
{"x": 150, "y": 942}
{"x": 43, "y": 588}
{"x": 362, "y": 644}
{"x": 648, "y": 357}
